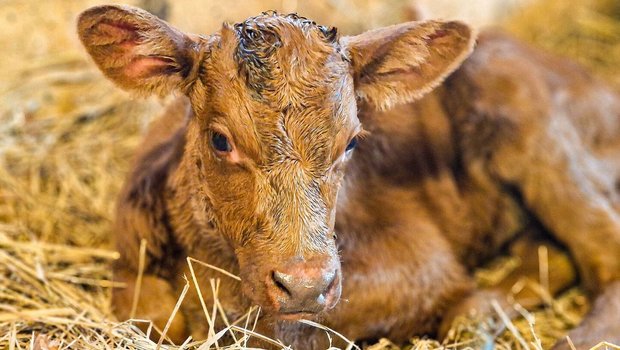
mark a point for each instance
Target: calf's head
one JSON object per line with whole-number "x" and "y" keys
{"x": 274, "y": 123}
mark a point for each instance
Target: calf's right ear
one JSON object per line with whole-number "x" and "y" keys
{"x": 138, "y": 51}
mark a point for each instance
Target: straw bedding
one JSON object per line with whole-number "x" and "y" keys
{"x": 66, "y": 140}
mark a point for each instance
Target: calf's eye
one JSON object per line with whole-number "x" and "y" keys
{"x": 220, "y": 143}
{"x": 351, "y": 144}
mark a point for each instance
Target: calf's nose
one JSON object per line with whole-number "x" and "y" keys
{"x": 299, "y": 288}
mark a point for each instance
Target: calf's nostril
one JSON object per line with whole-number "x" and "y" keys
{"x": 281, "y": 280}
{"x": 331, "y": 282}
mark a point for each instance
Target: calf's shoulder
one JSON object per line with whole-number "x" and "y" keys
{"x": 142, "y": 209}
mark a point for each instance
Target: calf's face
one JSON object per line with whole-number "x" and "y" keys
{"x": 274, "y": 124}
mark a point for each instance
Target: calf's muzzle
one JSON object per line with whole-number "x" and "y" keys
{"x": 301, "y": 287}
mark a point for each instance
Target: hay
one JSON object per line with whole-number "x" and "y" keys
{"x": 585, "y": 30}
{"x": 66, "y": 139}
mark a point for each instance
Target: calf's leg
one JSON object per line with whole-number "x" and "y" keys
{"x": 566, "y": 188}
{"x": 602, "y": 323}
{"x": 540, "y": 261}
{"x": 535, "y": 122}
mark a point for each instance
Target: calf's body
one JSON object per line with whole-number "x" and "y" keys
{"x": 513, "y": 139}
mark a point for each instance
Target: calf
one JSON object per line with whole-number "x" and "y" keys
{"x": 319, "y": 168}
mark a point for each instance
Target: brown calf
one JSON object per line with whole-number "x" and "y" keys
{"x": 254, "y": 170}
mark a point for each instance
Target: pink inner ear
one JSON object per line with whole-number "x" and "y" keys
{"x": 440, "y": 33}
{"x": 125, "y": 36}
{"x": 118, "y": 32}
{"x": 145, "y": 66}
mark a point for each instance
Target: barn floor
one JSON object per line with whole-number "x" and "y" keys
{"x": 66, "y": 139}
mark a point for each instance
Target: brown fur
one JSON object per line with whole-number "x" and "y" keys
{"x": 514, "y": 139}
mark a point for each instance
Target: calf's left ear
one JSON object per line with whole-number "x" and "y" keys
{"x": 401, "y": 63}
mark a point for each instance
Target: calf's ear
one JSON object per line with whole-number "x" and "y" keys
{"x": 138, "y": 51}
{"x": 401, "y": 63}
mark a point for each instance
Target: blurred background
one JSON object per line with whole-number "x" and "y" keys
{"x": 67, "y": 135}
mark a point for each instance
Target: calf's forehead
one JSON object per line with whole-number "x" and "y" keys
{"x": 284, "y": 82}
